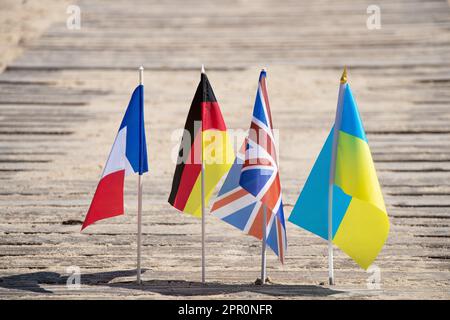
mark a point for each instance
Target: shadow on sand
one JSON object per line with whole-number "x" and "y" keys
{"x": 32, "y": 282}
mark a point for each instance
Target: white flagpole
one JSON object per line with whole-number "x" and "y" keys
{"x": 263, "y": 245}
{"x": 203, "y": 206}
{"x": 337, "y": 125}
{"x": 139, "y": 216}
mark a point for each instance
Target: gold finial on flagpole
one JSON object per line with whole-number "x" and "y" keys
{"x": 344, "y": 75}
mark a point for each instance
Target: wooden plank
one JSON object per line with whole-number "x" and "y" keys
{"x": 62, "y": 100}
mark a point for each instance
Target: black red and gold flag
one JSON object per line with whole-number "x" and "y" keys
{"x": 204, "y": 139}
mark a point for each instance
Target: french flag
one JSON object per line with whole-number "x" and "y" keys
{"x": 128, "y": 155}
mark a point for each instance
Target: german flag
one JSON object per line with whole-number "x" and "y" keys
{"x": 205, "y": 138}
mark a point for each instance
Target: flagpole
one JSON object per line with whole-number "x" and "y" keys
{"x": 263, "y": 245}
{"x": 139, "y": 215}
{"x": 264, "y": 236}
{"x": 337, "y": 125}
{"x": 203, "y": 205}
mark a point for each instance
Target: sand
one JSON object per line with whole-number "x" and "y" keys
{"x": 64, "y": 93}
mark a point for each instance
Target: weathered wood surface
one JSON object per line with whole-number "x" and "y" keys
{"x": 62, "y": 100}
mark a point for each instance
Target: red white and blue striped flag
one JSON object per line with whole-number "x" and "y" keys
{"x": 128, "y": 155}
{"x": 253, "y": 181}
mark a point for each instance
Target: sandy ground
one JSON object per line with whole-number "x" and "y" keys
{"x": 24, "y": 20}
{"x": 78, "y": 85}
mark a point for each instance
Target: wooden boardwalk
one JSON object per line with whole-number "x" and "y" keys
{"x": 61, "y": 103}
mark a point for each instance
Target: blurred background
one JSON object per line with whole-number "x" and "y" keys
{"x": 69, "y": 67}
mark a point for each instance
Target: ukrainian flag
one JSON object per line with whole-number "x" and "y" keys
{"x": 360, "y": 224}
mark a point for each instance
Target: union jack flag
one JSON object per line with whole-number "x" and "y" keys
{"x": 253, "y": 181}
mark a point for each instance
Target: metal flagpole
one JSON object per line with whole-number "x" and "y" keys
{"x": 139, "y": 215}
{"x": 263, "y": 245}
{"x": 337, "y": 125}
{"x": 203, "y": 205}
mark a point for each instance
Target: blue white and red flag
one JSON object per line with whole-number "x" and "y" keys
{"x": 254, "y": 181}
{"x": 128, "y": 155}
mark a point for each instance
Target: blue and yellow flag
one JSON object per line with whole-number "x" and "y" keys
{"x": 360, "y": 224}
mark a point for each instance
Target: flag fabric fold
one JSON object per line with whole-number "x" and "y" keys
{"x": 253, "y": 181}
{"x": 128, "y": 155}
{"x": 204, "y": 139}
{"x": 360, "y": 224}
